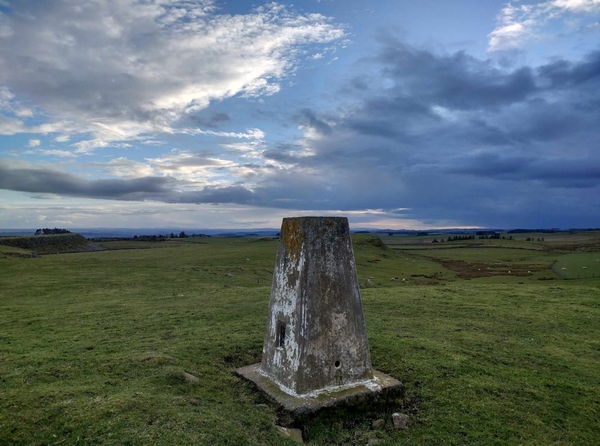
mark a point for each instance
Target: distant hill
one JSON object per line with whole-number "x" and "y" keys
{"x": 50, "y": 244}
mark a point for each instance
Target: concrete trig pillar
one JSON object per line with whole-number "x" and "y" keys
{"x": 316, "y": 336}
{"x": 315, "y": 349}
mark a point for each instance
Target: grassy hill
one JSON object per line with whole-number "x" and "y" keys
{"x": 47, "y": 244}
{"x": 11, "y": 251}
{"x": 94, "y": 346}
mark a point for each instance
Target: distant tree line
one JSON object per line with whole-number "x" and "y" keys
{"x": 47, "y": 231}
{"x": 492, "y": 236}
{"x": 455, "y": 238}
{"x": 543, "y": 231}
{"x": 163, "y": 237}
{"x": 151, "y": 238}
{"x": 479, "y": 235}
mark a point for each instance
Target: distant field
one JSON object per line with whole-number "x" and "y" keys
{"x": 93, "y": 345}
{"x": 579, "y": 240}
{"x": 578, "y": 265}
{"x": 544, "y": 256}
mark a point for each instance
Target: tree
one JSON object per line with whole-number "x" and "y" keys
{"x": 47, "y": 231}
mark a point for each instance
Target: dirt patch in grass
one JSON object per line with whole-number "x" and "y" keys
{"x": 472, "y": 270}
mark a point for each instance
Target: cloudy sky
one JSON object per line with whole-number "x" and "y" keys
{"x": 233, "y": 114}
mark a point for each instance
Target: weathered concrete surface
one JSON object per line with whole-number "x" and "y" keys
{"x": 381, "y": 385}
{"x": 316, "y": 336}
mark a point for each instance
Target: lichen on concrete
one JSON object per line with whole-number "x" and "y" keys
{"x": 292, "y": 237}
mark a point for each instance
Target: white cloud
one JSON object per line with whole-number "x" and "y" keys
{"x": 50, "y": 152}
{"x": 186, "y": 158}
{"x": 124, "y": 70}
{"x": 56, "y": 152}
{"x": 248, "y": 134}
{"x": 519, "y": 23}
{"x": 9, "y": 104}
{"x": 249, "y": 149}
{"x": 124, "y": 167}
{"x": 10, "y": 126}
{"x": 33, "y": 143}
{"x": 194, "y": 169}
{"x": 62, "y": 138}
{"x": 576, "y": 5}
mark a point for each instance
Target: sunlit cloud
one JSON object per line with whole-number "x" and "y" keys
{"x": 116, "y": 72}
{"x": 520, "y": 22}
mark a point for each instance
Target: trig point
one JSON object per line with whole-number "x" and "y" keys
{"x": 315, "y": 352}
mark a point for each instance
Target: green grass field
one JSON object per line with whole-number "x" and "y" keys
{"x": 94, "y": 345}
{"x": 579, "y": 265}
{"x": 9, "y": 251}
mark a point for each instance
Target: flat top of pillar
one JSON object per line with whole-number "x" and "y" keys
{"x": 309, "y": 217}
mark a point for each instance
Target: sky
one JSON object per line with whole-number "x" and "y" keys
{"x": 233, "y": 114}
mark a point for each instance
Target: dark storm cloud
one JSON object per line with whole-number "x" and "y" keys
{"x": 557, "y": 172}
{"x": 51, "y": 181}
{"x": 283, "y": 152}
{"x": 43, "y": 180}
{"x": 453, "y": 137}
{"x": 230, "y": 194}
{"x": 309, "y": 119}
{"x": 563, "y": 73}
{"x": 211, "y": 120}
{"x": 457, "y": 80}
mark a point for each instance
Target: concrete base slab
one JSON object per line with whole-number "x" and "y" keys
{"x": 298, "y": 406}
